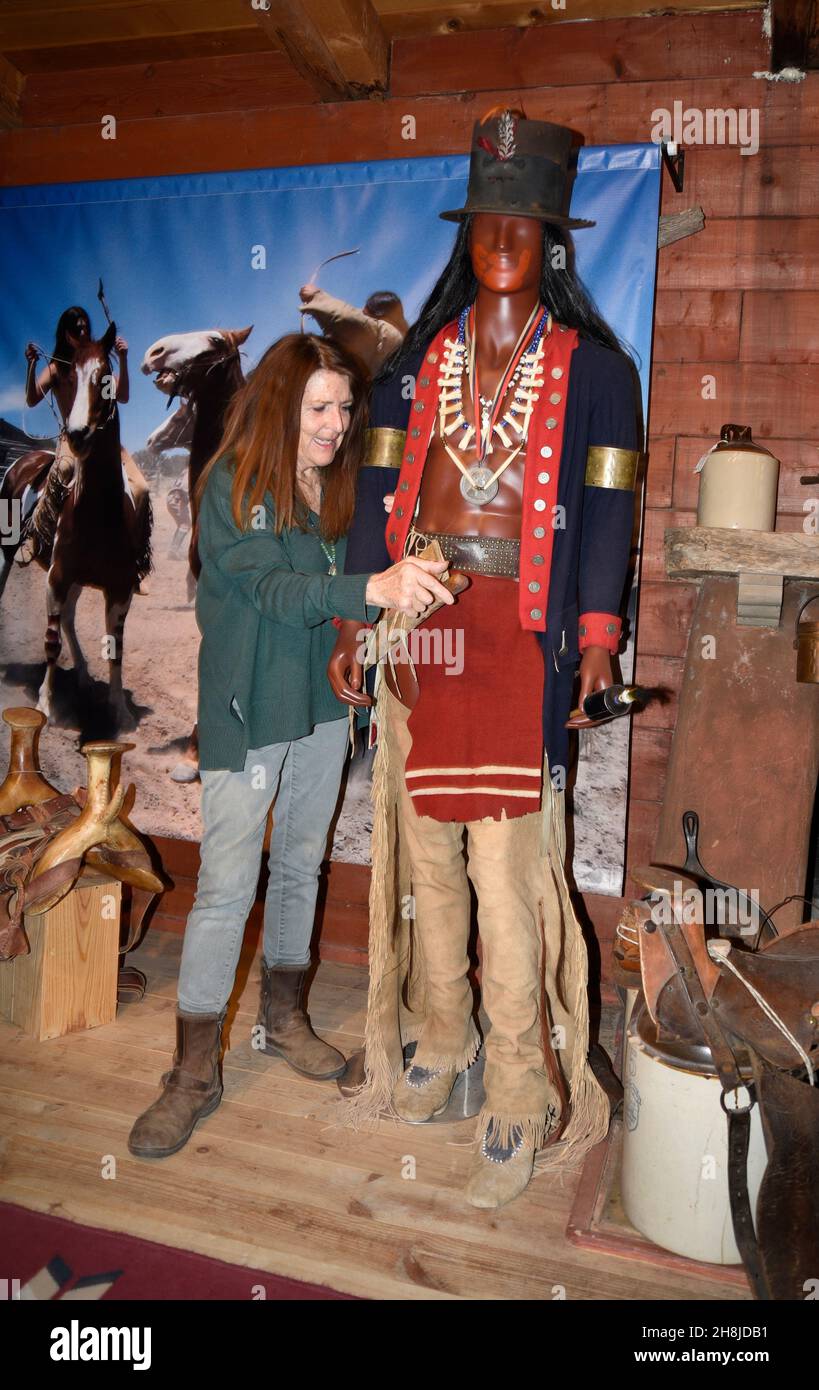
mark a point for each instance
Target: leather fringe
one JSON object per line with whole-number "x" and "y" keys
{"x": 41, "y": 527}
{"x": 589, "y": 1112}
{"x": 374, "y": 1096}
{"x": 533, "y": 1129}
{"x": 460, "y": 1061}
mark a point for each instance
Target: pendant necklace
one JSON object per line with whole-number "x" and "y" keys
{"x": 329, "y": 550}
{"x": 479, "y": 483}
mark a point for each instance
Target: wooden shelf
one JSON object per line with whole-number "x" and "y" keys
{"x": 692, "y": 552}
{"x": 760, "y": 560}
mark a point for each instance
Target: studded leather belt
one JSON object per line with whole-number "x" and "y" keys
{"x": 497, "y": 556}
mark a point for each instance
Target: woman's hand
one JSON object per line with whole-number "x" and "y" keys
{"x": 36, "y": 388}
{"x": 120, "y": 346}
{"x": 410, "y": 586}
{"x": 595, "y": 674}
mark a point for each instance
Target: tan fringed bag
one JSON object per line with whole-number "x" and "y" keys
{"x": 389, "y": 636}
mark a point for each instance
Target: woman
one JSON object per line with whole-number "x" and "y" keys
{"x": 273, "y": 506}
{"x": 73, "y": 331}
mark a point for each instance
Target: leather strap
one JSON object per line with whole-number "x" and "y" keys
{"x": 58, "y": 876}
{"x": 739, "y": 1138}
{"x": 497, "y": 556}
{"x": 141, "y": 899}
{"x": 40, "y": 814}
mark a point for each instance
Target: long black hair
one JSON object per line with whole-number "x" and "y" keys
{"x": 67, "y": 323}
{"x": 457, "y": 286}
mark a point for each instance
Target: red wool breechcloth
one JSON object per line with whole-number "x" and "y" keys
{"x": 477, "y": 736}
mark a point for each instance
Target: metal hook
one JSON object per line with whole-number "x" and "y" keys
{"x": 674, "y": 161}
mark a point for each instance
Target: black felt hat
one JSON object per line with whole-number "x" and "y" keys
{"x": 519, "y": 167}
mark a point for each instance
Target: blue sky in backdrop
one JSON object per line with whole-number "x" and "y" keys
{"x": 175, "y": 254}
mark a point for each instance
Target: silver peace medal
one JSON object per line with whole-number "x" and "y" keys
{"x": 478, "y": 485}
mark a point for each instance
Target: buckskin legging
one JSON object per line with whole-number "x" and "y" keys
{"x": 520, "y": 926}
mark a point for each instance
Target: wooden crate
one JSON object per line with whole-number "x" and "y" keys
{"x": 69, "y": 980}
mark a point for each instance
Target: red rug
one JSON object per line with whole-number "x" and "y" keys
{"x": 45, "y": 1258}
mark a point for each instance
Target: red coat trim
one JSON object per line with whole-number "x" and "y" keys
{"x": 540, "y": 479}
{"x": 599, "y": 630}
{"x": 422, "y": 419}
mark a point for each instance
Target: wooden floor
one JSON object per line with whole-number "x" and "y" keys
{"x": 270, "y": 1180}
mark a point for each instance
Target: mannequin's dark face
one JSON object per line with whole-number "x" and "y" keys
{"x": 507, "y": 252}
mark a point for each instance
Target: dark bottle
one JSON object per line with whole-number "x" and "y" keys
{"x": 613, "y": 701}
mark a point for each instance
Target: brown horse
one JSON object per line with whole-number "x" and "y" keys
{"x": 97, "y": 542}
{"x": 204, "y": 368}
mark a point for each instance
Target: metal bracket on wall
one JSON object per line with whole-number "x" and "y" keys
{"x": 674, "y": 161}
{"x": 759, "y": 599}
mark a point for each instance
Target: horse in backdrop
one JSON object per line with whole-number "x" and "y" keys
{"x": 176, "y": 432}
{"x": 99, "y": 542}
{"x": 204, "y": 370}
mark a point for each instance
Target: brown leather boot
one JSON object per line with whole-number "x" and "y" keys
{"x": 192, "y": 1090}
{"x": 288, "y": 1033}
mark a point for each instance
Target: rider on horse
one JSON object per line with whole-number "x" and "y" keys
{"x": 73, "y": 331}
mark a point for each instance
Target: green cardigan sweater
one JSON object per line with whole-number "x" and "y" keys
{"x": 264, "y": 605}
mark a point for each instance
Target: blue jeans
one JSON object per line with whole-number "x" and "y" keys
{"x": 307, "y": 775}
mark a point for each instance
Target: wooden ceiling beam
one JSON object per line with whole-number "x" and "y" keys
{"x": 12, "y": 83}
{"x": 173, "y": 48}
{"x": 338, "y": 46}
{"x": 356, "y": 38}
{"x": 427, "y": 18}
{"x": 75, "y": 23}
{"x": 793, "y": 34}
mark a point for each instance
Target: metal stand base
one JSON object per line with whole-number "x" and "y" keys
{"x": 467, "y": 1094}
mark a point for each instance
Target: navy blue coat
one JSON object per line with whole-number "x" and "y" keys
{"x": 589, "y": 557}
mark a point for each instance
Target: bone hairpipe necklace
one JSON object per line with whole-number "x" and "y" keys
{"x": 479, "y": 484}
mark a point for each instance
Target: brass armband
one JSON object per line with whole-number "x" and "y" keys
{"x": 607, "y": 467}
{"x": 385, "y": 448}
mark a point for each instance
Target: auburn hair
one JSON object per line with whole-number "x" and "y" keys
{"x": 261, "y": 436}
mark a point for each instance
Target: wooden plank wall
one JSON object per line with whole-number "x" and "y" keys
{"x": 737, "y": 302}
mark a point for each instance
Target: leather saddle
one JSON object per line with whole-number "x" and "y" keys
{"x": 736, "y": 982}
{"x": 43, "y": 847}
{"x": 25, "y": 835}
{"x": 757, "y": 1009}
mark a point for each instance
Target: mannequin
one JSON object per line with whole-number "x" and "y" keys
{"x": 519, "y": 460}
